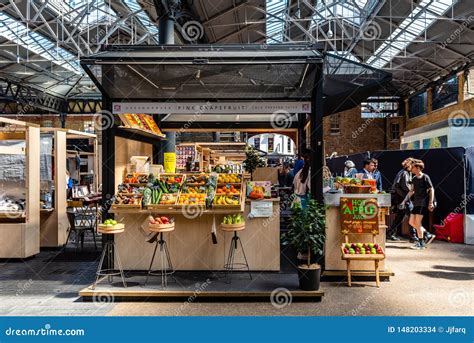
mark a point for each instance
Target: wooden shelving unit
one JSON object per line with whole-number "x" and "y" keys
{"x": 20, "y": 235}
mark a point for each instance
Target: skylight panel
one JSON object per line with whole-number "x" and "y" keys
{"x": 275, "y": 20}
{"x": 18, "y": 33}
{"x": 417, "y": 22}
{"x": 142, "y": 17}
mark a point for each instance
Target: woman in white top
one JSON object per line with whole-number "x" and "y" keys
{"x": 302, "y": 184}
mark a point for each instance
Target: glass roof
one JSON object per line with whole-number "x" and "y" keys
{"x": 354, "y": 11}
{"x": 142, "y": 17}
{"x": 412, "y": 27}
{"x": 276, "y": 15}
{"x": 18, "y": 33}
{"x": 97, "y": 11}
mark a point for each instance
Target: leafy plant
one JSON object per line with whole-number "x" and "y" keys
{"x": 307, "y": 229}
{"x": 252, "y": 159}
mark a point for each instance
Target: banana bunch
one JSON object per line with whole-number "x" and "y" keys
{"x": 225, "y": 200}
{"x": 233, "y": 219}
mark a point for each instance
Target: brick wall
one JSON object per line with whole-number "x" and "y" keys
{"x": 467, "y": 106}
{"x": 356, "y": 134}
{"x": 73, "y": 123}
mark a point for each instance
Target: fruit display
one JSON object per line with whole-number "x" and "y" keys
{"x": 135, "y": 178}
{"x": 229, "y": 190}
{"x": 354, "y": 185}
{"x": 226, "y": 200}
{"x": 183, "y": 152}
{"x": 168, "y": 199}
{"x": 259, "y": 189}
{"x": 160, "y": 220}
{"x": 229, "y": 178}
{"x": 110, "y": 222}
{"x": 232, "y": 219}
{"x": 192, "y": 199}
{"x": 362, "y": 249}
{"x": 141, "y": 121}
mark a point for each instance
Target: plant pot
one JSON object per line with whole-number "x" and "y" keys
{"x": 309, "y": 278}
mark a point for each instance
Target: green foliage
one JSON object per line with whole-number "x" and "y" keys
{"x": 252, "y": 159}
{"x": 307, "y": 229}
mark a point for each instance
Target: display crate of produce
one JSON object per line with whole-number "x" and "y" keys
{"x": 357, "y": 189}
{"x": 233, "y": 222}
{"x": 110, "y": 228}
{"x": 229, "y": 179}
{"x": 160, "y": 224}
{"x": 196, "y": 179}
{"x": 126, "y": 201}
{"x": 228, "y": 197}
{"x": 192, "y": 199}
{"x": 362, "y": 251}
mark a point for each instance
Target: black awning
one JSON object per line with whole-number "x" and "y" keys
{"x": 230, "y": 72}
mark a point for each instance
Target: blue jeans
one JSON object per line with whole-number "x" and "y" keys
{"x": 304, "y": 200}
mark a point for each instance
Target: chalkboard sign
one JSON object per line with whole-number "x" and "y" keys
{"x": 359, "y": 216}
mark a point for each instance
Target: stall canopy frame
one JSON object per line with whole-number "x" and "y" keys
{"x": 282, "y": 72}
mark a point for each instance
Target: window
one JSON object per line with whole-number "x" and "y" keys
{"x": 394, "y": 131}
{"x": 288, "y": 144}
{"x": 469, "y": 84}
{"x": 256, "y": 143}
{"x": 417, "y": 105}
{"x": 445, "y": 93}
{"x": 334, "y": 121}
{"x": 89, "y": 126}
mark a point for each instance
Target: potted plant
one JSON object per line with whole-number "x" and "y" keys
{"x": 307, "y": 234}
{"x": 252, "y": 160}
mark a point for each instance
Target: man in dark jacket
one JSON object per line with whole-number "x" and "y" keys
{"x": 399, "y": 191}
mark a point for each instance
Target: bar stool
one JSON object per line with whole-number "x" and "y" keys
{"x": 110, "y": 249}
{"x": 165, "y": 258}
{"x": 230, "y": 265}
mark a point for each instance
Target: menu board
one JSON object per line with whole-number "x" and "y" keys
{"x": 140, "y": 121}
{"x": 359, "y": 216}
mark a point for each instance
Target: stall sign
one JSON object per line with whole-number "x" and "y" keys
{"x": 261, "y": 209}
{"x": 169, "y": 159}
{"x": 359, "y": 216}
{"x": 240, "y": 107}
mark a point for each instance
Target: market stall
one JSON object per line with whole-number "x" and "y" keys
{"x": 61, "y": 160}
{"x": 188, "y": 88}
{"x": 20, "y": 189}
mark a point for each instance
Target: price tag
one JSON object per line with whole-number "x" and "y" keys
{"x": 261, "y": 209}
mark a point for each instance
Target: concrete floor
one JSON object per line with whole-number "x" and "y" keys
{"x": 438, "y": 281}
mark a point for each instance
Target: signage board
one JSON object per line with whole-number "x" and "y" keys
{"x": 359, "y": 215}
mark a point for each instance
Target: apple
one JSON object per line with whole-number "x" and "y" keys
{"x": 346, "y": 251}
{"x": 376, "y": 246}
{"x": 371, "y": 245}
{"x": 347, "y": 245}
{"x": 362, "y": 252}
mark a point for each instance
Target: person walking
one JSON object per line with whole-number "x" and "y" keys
{"x": 368, "y": 170}
{"x": 423, "y": 197}
{"x": 302, "y": 183}
{"x": 399, "y": 192}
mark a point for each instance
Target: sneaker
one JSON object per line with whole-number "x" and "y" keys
{"x": 413, "y": 239}
{"x": 429, "y": 237}
{"x": 394, "y": 238}
{"x": 417, "y": 246}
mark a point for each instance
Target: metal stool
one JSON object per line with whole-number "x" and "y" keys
{"x": 230, "y": 266}
{"x": 109, "y": 249}
{"x": 166, "y": 265}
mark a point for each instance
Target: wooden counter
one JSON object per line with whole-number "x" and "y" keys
{"x": 334, "y": 237}
{"x": 191, "y": 246}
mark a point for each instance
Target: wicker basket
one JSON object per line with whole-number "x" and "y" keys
{"x": 233, "y": 227}
{"x": 161, "y": 227}
{"x": 359, "y": 189}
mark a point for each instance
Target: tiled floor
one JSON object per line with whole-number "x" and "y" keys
{"x": 438, "y": 281}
